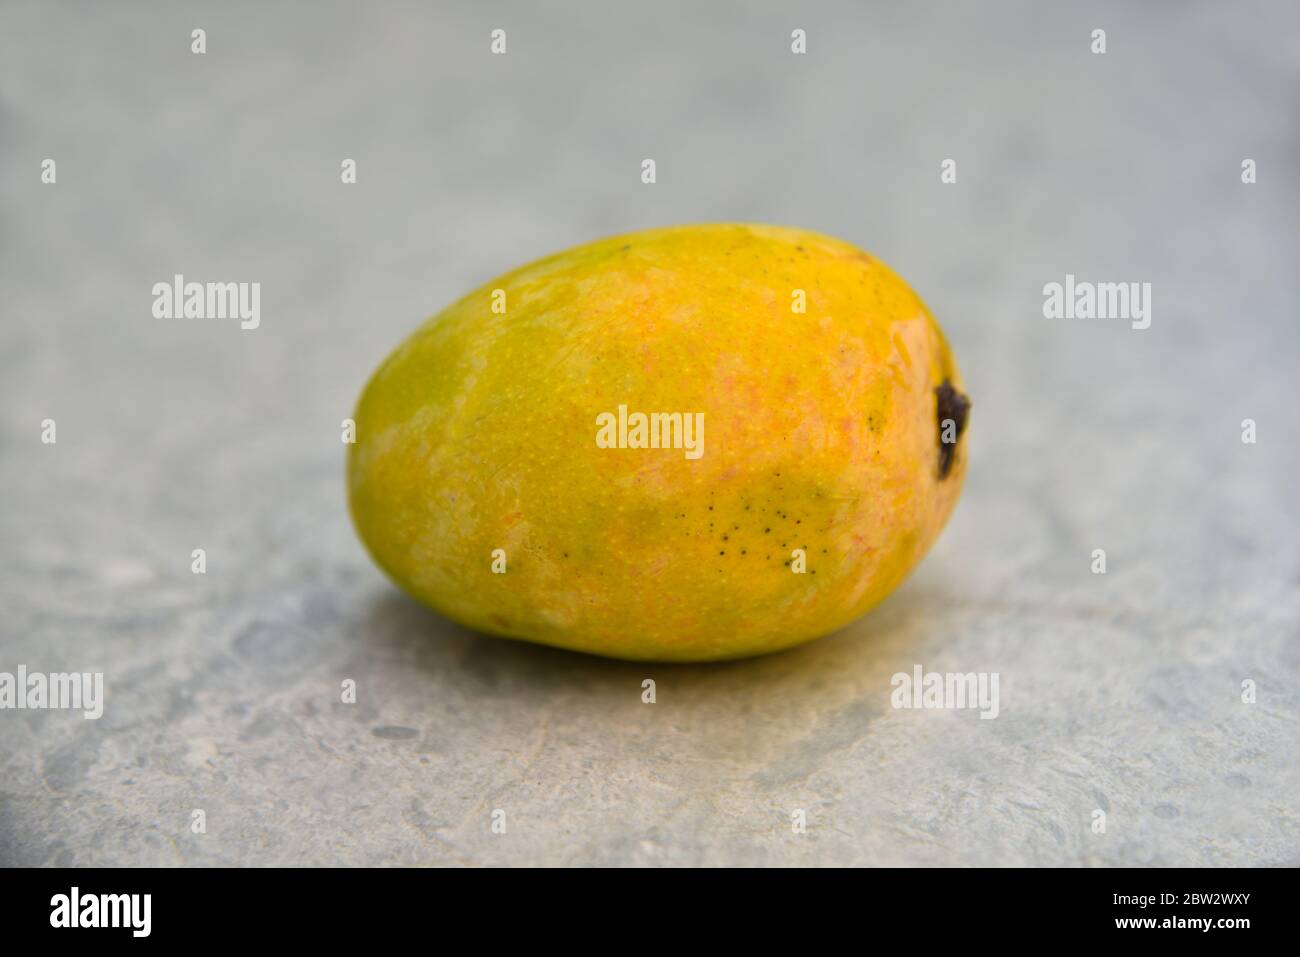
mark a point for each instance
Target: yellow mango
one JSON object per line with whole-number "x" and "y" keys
{"x": 682, "y": 444}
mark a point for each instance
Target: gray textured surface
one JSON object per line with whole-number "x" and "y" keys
{"x": 1119, "y": 692}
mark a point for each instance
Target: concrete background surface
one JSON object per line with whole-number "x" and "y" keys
{"x": 1120, "y": 692}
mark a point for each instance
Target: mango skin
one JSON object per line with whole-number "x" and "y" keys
{"x": 479, "y": 433}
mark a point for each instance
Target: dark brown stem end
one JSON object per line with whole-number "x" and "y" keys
{"x": 955, "y": 406}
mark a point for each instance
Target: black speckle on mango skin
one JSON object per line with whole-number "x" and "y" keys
{"x": 950, "y": 404}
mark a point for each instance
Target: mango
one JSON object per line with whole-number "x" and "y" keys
{"x": 683, "y": 444}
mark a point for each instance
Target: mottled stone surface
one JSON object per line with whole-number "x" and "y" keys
{"x": 1120, "y": 692}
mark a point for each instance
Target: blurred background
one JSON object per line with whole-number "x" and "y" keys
{"x": 1120, "y": 692}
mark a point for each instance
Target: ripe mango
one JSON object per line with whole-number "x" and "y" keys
{"x": 683, "y": 444}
